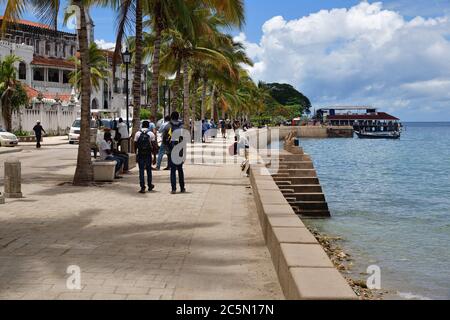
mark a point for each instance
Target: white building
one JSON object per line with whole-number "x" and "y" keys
{"x": 45, "y": 69}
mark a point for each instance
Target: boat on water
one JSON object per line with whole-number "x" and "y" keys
{"x": 378, "y": 135}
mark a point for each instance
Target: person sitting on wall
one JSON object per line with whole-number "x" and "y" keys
{"x": 106, "y": 153}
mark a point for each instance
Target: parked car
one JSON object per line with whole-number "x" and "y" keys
{"x": 74, "y": 134}
{"x": 8, "y": 139}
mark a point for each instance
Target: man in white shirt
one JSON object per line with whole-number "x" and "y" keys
{"x": 144, "y": 141}
{"x": 122, "y": 128}
{"x": 106, "y": 153}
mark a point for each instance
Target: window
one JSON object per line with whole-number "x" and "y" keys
{"x": 53, "y": 75}
{"x": 22, "y": 71}
{"x": 36, "y": 47}
{"x": 116, "y": 85}
{"x": 66, "y": 76}
{"x": 19, "y": 40}
{"x": 47, "y": 48}
{"x": 38, "y": 74}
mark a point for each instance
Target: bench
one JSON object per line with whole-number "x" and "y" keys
{"x": 104, "y": 171}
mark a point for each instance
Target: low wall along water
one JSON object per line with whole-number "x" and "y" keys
{"x": 304, "y": 269}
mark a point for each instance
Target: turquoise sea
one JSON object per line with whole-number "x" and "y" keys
{"x": 390, "y": 201}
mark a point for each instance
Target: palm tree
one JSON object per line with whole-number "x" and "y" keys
{"x": 98, "y": 67}
{"x": 48, "y": 11}
{"x": 12, "y": 94}
{"x": 133, "y": 11}
{"x": 130, "y": 11}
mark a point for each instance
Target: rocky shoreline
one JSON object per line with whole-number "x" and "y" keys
{"x": 344, "y": 262}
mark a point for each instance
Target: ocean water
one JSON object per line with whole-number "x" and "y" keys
{"x": 390, "y": 201}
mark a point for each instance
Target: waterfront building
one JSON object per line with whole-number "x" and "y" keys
{"x": 362, "y": 119}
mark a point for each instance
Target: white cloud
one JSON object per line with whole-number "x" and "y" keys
{"x": 105, "y": 44}
{"x": 361, "y": 55}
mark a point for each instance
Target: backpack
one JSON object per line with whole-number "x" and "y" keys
{"x": 167, "y": 137}
{"x": 144, "y": 145}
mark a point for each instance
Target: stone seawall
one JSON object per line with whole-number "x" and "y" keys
{"x": 304, "y": 270}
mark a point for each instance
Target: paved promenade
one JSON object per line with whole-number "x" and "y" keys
{"x": 206, "y": 244}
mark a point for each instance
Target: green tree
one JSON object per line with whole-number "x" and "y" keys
{"x": 48, "y": 10}
{"x": 12, "y": 93}
{"x": 98, "y": 67}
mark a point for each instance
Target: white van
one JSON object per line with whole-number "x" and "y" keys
{"x": 74, "y": 134}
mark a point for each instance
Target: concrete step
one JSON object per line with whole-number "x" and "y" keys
{"x": 299, "y": 180}
{"x": 313, "y": 213}
{"x": 291, "y": 157}
{"x": 280, "y": 175}
{"x": 298, "y": 157}
{"x": 289, "y": 192}
{"x": 307, "y": 188}
{"x": 308, "y": 196}
{"x": 300, "y": 173}
{"x": 296, "y": 165}
{"x": 283, "y": 183}
{"x": 311, "y": 205}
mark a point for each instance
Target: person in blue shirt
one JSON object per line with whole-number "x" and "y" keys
{"x": 170, "y": 144}
{"x": 163, "y": 149}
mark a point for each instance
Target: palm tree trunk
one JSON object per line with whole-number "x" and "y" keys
{"x": 7, "y": 116}
{"x": 186, "y": 94}
{"x": 213, "y": 95}
{"x": 156, "y": 62}
{"x": 84, "y": 173}
{"x": 205, "y": 84}
{"x": 176, "y": 90}
{"x": 194, "y": 100}
{"x": 137, "y": 72}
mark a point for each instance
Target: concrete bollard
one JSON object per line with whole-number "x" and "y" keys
{"x": 2, "y": 199}
{"x": 13, "y": 185}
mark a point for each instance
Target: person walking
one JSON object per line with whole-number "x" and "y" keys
{"x": 124, "y": 137}
{"x": 170, "y": 144}
{"x": 38, "y": 130}
{"x": 223, "y": 127}
{"x": 162, "y": 150}
{"x": 143, "y": 147}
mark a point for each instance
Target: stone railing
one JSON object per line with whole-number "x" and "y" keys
{"x": 304, "y": 270}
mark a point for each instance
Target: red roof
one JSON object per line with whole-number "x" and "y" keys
{"x": 374, "y": 116}
{"x": 53, "y": 62}
{"x": 33, "y": 93}
{"x": 30, "y": 23}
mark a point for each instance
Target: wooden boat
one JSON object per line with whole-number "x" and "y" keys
{"x": 394, "y": 135}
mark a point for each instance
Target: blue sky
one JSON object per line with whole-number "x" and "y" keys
{"x": 393, "y": 54}
{"x": 259, "y": 11}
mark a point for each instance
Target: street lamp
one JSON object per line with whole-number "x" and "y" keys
{"x": 126, "y": 59}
